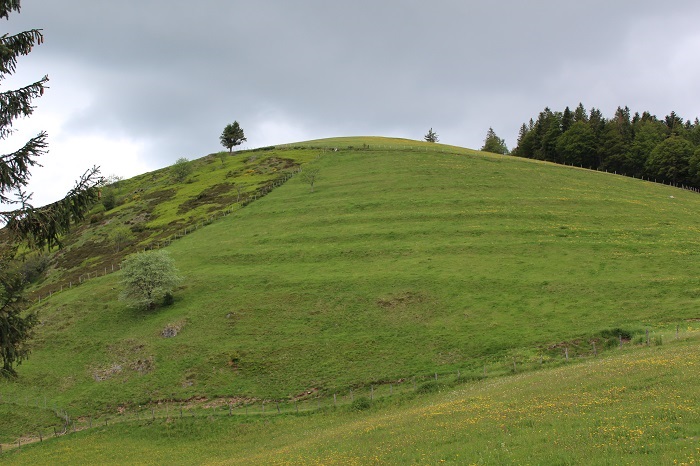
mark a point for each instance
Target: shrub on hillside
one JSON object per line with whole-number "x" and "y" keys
{"x": 360, "y": 404}
{"x": 109, "y": 199}
{"x": 181, "y": 169}
{"x": 147, "y": 278}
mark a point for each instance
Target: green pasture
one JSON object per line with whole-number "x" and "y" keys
{"x": 634, "y": 407}
{"x": 409, "y": 259}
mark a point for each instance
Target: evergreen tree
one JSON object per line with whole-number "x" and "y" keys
{"x": 232, "y": 136}
{"x": 567, "y": 119}
{"x": 526, "y": 141}
{"x": 24, "y": 224}
{"x": 580, "y": 114}
{"x": 494, "y": 144}
{"x": 548, "y": 130}
{"x": 674, "y": 124}
{"x": 431, "y": 136}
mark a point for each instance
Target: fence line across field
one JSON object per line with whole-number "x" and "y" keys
{"x": 353, "y": 398}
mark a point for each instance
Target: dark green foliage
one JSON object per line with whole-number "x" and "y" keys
{"x": 431, "y": 136}
{"x": 428, "y": 387}
{"x": 109, "y": 199}
{"x": 361, "y": 403}
{"x": 168, "y": 299}
{"x": 232, "y": 136}
{"x": 670, "y": 159}
{"x": 15, "y": 328}
{"x": 33, "y": 266}
{"x": 494, "y": 144}
{"x": 577, "y": 145}
{"x": 639, "y": 145}
{"x": 617, "y": 333}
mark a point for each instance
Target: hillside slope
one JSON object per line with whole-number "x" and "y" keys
{"x": 402, "y": 262}
{"x": 635, "y": 407}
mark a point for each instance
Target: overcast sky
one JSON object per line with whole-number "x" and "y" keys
{"x": 136, "y": 84}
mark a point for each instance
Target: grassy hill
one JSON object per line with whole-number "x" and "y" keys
{"x": 409, "y": 259}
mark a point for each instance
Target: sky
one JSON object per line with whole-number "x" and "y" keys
{"x": 137, "y": 84}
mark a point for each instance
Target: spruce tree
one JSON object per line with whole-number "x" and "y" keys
{"x": 431, "y": 136}
{"x": 232, "y": 136}
{"x": 494, "y": 144}
{"x": 26, "y": 225}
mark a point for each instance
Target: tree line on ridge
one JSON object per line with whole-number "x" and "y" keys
{"x": 667, "y": 149}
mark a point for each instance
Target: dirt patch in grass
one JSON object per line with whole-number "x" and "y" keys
{"x": 171, "y": 330}
{"x": 273, "y": 164}
{"x": 158, "y": 197}
{"x": 400, "y": 300}
{"x": 216, "y": 194}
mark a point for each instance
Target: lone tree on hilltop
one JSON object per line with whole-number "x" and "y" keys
{"x": 25, "y": 225}
{"x": 148, "y": 277}
{"x": 232, "y": 136}
{"x": 431, "y": 136}
{"x": 494, "y": 144}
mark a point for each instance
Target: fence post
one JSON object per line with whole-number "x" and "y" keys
{"x": 566, "y": 352}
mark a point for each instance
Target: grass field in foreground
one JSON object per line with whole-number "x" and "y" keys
{"x": 638, "y": 406}
{"x": 400, "y": 263}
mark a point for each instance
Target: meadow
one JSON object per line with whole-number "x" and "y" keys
{"x": 636, "y": 406}
{"x": 403, "y": 262}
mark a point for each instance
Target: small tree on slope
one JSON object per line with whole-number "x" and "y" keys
{"x": 147, "y": 277}
{"x": 494, "y": 144}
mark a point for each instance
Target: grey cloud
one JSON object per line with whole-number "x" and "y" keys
{"x": 175, "y": 72}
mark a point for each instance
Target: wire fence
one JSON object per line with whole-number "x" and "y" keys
{"x": 108, "y": 269}
{"x": 350, "y": 399}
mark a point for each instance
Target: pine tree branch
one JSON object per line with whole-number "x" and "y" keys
{"x": 18, "y": 103}
{"x": 11, "y": 47}
{"x": 6, "y": 6}
{"x": 43, "y": 227}
{"x": 14, "y": 168}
